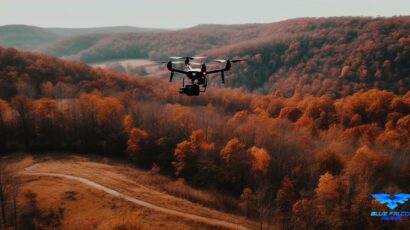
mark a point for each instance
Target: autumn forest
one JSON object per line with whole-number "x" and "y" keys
{"x": 312, "y": 124}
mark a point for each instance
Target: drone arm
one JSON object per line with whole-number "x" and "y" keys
{"x": 216, "y": 71}
{"x": 227, "y": 68}
{"x": 178, "y": 71}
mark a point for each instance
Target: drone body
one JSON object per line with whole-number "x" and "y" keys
{"x": 197, "y": 76}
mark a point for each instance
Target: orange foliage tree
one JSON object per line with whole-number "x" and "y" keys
{"x": 137, "y": 138}
{"x": 187, "y": 152}
{"x": 260, "y": 160}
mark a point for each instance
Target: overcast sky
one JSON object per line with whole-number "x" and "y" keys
{"x": 184, "y": 13}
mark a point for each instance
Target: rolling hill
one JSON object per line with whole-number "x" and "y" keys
{"x": 101, "y": 30}
{"x": 330, "y": 56}
{"x": 25, "y": 37}
{"x": 307, "y": 56}
{"x": 105, "y": 47}
{"x": 33, "y": 38}
{"x": 304, "y": 159}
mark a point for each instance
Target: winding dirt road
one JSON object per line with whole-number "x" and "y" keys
{"x": 207, "y": 220}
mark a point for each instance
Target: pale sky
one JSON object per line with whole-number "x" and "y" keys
{"x": 184, "y": 13}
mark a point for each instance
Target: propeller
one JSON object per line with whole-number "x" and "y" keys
{"x": 225, "y": 60}
{"x": 166, "y": 62}
{"x": 190, "y": 58}
{"x": 238, "y": 60}
{"x": 195, "y": 63}
{"x": 174, "y": 62}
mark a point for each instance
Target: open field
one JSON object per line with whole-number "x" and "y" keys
{"x": 67, "y": 184}
{"x": 128, "y": 65}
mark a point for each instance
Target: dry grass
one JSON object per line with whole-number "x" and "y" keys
{"x": 180, "y": 189}
{"x": 86, "y": 208}
{"x": 126, "y": 222}
{"x": 94, "y": 209}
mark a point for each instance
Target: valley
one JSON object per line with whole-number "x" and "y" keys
{"x": 94, "y": 136}
{"x": 335, "y": 56}
{"x": 139, "y": 67}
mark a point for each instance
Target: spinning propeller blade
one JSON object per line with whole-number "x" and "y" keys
{"x": 219, "y": 60}
{"x": 177, "y": 62}
{"x": 225, "y": 60}
{"x": 237, "y": 60}
{"x": 190, "y": 58}
{"x": 166, "y": 62}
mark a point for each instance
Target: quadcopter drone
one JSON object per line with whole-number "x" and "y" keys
{"x": 197, "y": 76}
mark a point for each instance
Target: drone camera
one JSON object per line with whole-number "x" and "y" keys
{"x": 190, "y": 90}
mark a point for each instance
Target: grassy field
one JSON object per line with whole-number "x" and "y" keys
{"x": 85, "y": 207}
{"x": 129, "y": 65}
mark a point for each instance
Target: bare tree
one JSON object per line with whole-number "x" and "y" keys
{"x": 15, "y": 190}
{"x": 5, "y": 178}
{"x": 9, "y": 189}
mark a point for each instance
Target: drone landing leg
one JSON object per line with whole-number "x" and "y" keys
{"x": 204, "y": 86}
{"x": 172, "y": 75}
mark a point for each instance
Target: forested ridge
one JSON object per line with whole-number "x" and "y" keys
{"x": 331, "y": 56}
{"x": 336, "y": 56}
{"x": 301, "y": 162}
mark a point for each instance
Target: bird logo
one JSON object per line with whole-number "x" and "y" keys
{"x": 384, "y": 198}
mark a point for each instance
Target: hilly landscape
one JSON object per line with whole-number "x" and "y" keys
{"x": 33, "y": 37}
{"x": 25, "y": 37}
{"x": 278, "y": 157}
{"x": 316, "y": 120}
{"x": 308, "y": 56}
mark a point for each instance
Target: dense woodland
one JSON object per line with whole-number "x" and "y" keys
{"x": 302, "y": 162}
{"x": 335, "y": 57}
{"x": 324, "y": 56}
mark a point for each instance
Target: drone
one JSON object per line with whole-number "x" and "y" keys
{"x": 197, "y": 76}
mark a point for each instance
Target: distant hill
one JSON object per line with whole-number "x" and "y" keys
{"x": 309, "y": 56}
{"x": 324, "y": 56}
{"x": 101, "y": 30}
{"x": 25, "y": 37}
{"x": 102, "y": 47}
{"x": 33, "y": 38}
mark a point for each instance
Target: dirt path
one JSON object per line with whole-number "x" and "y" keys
{"x": 207, "y": 220}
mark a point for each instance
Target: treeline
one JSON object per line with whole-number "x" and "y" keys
{"x": 302, "y": 162}
{"x": 153, "y": 45}
{"x": 309, "y": 56}
{"x": 333, "y": 56}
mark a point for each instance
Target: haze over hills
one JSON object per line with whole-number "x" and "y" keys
{"x": 306, "y": 129}
{"x": 25, "y": 37}
{"x": 310, "y": 56}
{"x": 33, "y": 37}
{"x": 102, "y": 30}
{"x": 304, "y": 132}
